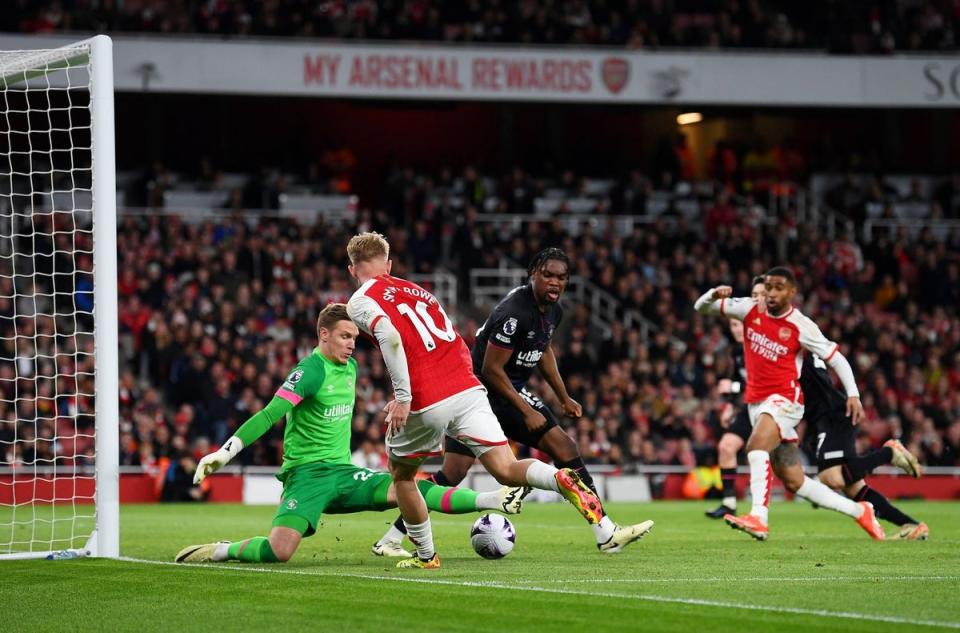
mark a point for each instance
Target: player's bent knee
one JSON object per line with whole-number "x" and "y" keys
{"x": 791, "y": 476}
{"x": 284, "y": 542}
{"x": 729, "y": 446}
{"x": 500, "y": 462}
{"x": 832, "y": 478}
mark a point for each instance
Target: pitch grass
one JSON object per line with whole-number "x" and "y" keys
{"x": 818, "y": 572}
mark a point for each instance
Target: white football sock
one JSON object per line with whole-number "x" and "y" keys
{"x": 820, "y": 494}
{"x": 730, "y": 502}
{"x": 542, "y": 476}
{"x": 761, "y": 478}
{"x": 422, "y": 536}
{"x": 221, "y": 552}
{"x": 488, "y": 500}
{"x": 604, "y": 530}
{"x": 393, "y": 534}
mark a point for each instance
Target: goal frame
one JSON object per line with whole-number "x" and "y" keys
{"x": 104, "y": 541}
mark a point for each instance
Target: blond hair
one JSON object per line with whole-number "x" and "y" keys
{"x": 366, "y": 246}
{"x": 331, "y": 315}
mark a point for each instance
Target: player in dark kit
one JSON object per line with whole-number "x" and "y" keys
{"x": 513, "y": 342}
{"x": 735, "y": 435}
{"x": 838, "y": 463}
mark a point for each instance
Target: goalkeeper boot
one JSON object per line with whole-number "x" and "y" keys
{"x": 418, "y": 563}
{"x": 579, "y": 494}
{"x": 511, "y": 498}
{"x": 750, "y": 524}
{"x": 624, "y": 535}
{"x": 868, "y": 521}
{"x": 903, "y": 459}
{"x": 203, "y": 553}
{"x": 912, "y": 532}
{"x": 390, "y": 549}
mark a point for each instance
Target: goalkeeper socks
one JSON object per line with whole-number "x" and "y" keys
{"x": 761, "y": 480}
{"x": 449, "y": 500}
{"x": 728, "y": 476}
{"x": 542, "y": 476}
{"x": 252, "y": 550}
{"x": 820, "y": 494}
{"x": 581, "y": 469}
{"x": 883, "y": 508}
{"x": 860, "y": 466}
{"x": 422, "y": 537}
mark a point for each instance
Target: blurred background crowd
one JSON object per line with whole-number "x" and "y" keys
{"x": 220, "y": 283}
{"x": 862, "y": 26}
{"x": 214, "y": 314}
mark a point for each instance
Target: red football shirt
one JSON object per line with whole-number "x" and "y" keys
{"x": 773, "y": 348}
{"x": 438, "y": 360}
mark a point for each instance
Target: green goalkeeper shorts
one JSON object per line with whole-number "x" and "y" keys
{"x": 313, "y": 489}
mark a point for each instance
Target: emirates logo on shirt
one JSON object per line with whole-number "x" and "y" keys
{"x": 763, "y": 346}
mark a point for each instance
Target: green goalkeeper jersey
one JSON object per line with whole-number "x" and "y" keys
{"x": 318, "y": 398}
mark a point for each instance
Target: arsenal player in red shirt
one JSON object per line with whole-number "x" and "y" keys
{"x": 435, "y": 394}
{"x": 774, "y": 341}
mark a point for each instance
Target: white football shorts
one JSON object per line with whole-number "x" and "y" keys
{"x": 465, "y": 416}
{"x": 785, "y": 412}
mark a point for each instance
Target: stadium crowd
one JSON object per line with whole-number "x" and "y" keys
{"x": 213, "y": 315}
{"x": 877, "y": 26}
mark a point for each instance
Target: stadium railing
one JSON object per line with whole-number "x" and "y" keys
{"x": 940, "y": 228}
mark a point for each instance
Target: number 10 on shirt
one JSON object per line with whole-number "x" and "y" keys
{"x": 425, "y": 325}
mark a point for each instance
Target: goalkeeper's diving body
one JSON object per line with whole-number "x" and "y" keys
{"x": 318, "y": 477}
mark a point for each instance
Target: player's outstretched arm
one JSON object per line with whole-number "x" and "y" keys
{"x": 720, "y": 301}
{"x": 247, "y": 434}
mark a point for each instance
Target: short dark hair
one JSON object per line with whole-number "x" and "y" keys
{"x": 782, "y": 271}
{"x": 331, "y": 315}
{"x": 759, "y": 279}
{"x": 541, "y": 258}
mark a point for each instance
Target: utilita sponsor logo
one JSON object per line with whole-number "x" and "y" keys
{"x": 760, "y": 344}
{"x": 529, "y": 358}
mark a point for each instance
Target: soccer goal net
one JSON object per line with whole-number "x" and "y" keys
{"x": 58, "y": 307}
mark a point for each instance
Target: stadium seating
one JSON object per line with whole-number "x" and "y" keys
{"x": 837, "y": 27}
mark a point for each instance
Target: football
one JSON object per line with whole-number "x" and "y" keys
{"x": 492, "y": 536}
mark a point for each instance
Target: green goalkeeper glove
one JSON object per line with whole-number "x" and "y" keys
{"x": 218, "y": 459}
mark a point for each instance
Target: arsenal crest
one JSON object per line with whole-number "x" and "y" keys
{"x": 784, "y": 333}
{"x": 615, "y": 72}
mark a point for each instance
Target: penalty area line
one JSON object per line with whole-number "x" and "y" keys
{"x": 722, "y": 604}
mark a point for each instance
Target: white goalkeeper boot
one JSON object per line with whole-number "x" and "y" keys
{"x": 208, "y": 553}
{"x": 391, "y": 549}
{"x": 511, "y": 498}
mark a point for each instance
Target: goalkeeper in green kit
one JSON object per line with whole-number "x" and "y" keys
{"x": 318, "y": 397}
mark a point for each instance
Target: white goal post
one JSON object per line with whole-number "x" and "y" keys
{"x": 59, "y": 410}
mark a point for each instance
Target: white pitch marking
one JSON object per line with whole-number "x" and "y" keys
{"x": 757, "y": 579}
{"x": 848, "y": 615}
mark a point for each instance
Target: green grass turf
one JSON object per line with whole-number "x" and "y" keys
{"x": 690, "y": 574}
